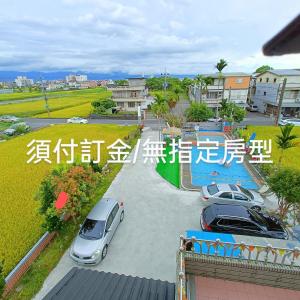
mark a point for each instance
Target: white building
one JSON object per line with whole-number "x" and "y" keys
{"x": 76, "y": 78}
{"x": 130, "y": 97}
{"x": 236, "y": 88}
{"x": 23, "y": 81}
{"x": 268, "y": 88}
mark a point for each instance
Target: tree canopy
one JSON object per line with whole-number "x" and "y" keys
{"x": 285, "y": 183}
{"x": 198, "y": 112}
{"x": 263, "y": 69}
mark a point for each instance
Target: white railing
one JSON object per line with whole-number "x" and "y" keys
{"x": 268, "y": 253}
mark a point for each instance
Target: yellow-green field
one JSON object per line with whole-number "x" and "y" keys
{"x": 291, "y": 157}
{"x": 20, "y": 224}
{"x": 82, "y": 110}
{"x": 32, "y": 108}
{"x": 34, "y": 94}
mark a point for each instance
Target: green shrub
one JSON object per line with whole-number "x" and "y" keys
{"x": 78, "y": 181}
{"x": 198, "y": 112}
{"x": 21, "y": 129}
{"x": 173, "y": 121}
{"x": 2, "y": 280}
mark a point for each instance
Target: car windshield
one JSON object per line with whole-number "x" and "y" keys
{"x": 256, "y": 217}
{"x": 246, "y": 192}
{"x": 212, "y": 189}
{"x": 92, "y": 229}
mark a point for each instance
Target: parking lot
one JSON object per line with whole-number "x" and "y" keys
{"x": 156, "y": 214}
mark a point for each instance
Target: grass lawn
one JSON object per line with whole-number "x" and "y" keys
{"x": 291, "y": 157}
{"x": 20, "y": 223}
{"x": 4, "y": 125}
{"x": 170, "y": 172}
{"x": 32, "y": 108}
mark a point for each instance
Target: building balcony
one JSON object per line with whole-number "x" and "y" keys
{"x": 213, "y": 268}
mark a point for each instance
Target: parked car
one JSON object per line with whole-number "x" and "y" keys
{"x": 77, "y": 120}
{"x": 7, "y": 118}
{"x": 284, "y": 122}
{"x": 13, "y": 128}
{"x": 238, "y": 219}
{"x": 232, "y": 194}
{"x": 91, "y": 244}
{"x": 216, "y": 120}
{"x": 252, "y": 108}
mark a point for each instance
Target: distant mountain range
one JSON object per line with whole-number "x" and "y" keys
{"x": 36, "y": 75}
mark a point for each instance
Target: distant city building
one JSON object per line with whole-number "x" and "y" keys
{"x": 88, "y": 84}
{"x": 23, "y": 81}
{"x": 267, "y": 90}
{"x": 236, "y": 88}
{"x": 76, "y": 78}
{"x": 130, "y": 97}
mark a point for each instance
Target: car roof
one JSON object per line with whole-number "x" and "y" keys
{"x": 237, "y": 211}
{"x": 102, "y": 209}
{"x": 224, "y": 187}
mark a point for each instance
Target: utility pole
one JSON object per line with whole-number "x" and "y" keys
{"x": 45, "y": 98}
{"x": 165, "y": 75}
{"x": 280, "y": 102}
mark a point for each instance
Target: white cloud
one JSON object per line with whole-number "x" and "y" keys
{"x": 140, "y": 36}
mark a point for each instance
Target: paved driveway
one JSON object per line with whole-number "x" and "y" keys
{"x": 156, "y": 213}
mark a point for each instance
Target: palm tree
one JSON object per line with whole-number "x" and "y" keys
{"x": 203, "y": 82}
{"x": 220, "y": 66}
{"x": 285, "y": 140}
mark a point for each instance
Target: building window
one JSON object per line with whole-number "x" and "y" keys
{"x": 133, "y": 95}
{"x": 121, "y": 104}
{"x": 267, "y": 79}
{"x": 275, "y": 80}
{"x": 260, "y": 79}
{"x": 131, "y": 104}
{"x": 265, "y": 93}
{"x": 239, "y": 80}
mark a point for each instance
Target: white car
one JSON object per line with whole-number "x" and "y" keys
{"x": 77, "y": 120}
{"x": 7, "y": 118}
{"x": 252, "y": 108}
{"x": 91, "y": 244}
{"x": 295, "y": 122}
{"x": 216, "y": 120}
{"x": 232, "y": 194}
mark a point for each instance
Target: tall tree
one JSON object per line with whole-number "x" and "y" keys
{"x": 285, "y": 183}
{"x": 263, "y": 69}
{"x": 285, "y": 140}
{"x": 220, "y": 66}
{"x": 203, "y": 83}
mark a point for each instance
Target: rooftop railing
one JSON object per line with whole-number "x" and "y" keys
{"x": 268, "y": 254}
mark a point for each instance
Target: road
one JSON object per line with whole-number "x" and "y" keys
{"x": 251, "y": 119}
{"x": 255, "y": 118}
{"x": 156, "y": 214}
{"x": 36, "y": 123}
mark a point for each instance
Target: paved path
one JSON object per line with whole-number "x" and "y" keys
{"x": 36, "y": 123}
{"x": 156, "y": 213}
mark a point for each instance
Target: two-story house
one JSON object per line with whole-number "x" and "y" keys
{"x": 268, "y": 89}
{"x": 236, "y": 88}
{"x": 130, "y": 97}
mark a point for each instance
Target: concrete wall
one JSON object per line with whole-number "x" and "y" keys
{"x": 241, "y": 270}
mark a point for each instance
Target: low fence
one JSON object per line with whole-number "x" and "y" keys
{"x": 20, "y": 269}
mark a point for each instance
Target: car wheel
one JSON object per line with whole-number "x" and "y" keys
{"x": 104, "y": 251}
{"x": 122, "y": 216}
{"x": 257, "y": 208}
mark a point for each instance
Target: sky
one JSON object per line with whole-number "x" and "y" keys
{"x": 141, "y": 37}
